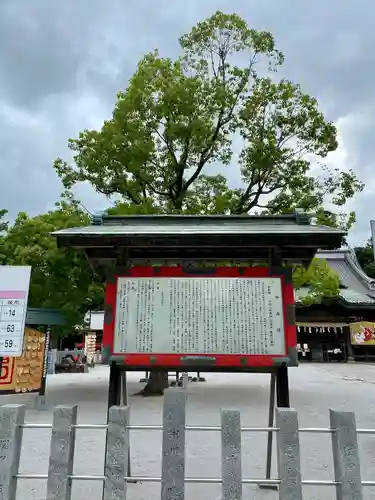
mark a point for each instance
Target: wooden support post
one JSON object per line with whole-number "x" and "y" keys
{"x": 282, "y": 387}
{"x": 271, "y": 413}
{"x": 124, "y": 389}
{"x": 114, "y": 390}
{"x": 124, "y": 402}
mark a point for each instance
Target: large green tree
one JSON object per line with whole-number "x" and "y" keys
{"x": 218, "y": 106}
{"x": 183, "y": 127}
{"x": 61, "y": 278}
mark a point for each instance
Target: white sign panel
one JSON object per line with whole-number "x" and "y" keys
{"x": 14, "y": 291}
{"x": 199, "y": 316}
{"x": 97, "y": 320}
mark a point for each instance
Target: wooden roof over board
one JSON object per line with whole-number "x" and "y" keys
{"x": 120, "y": 240}
{"x": 44, "y": 317}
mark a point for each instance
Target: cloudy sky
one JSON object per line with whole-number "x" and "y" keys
{"x": 63, "y": 62}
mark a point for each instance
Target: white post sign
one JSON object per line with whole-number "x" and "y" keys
{"x": 14, "y": 291}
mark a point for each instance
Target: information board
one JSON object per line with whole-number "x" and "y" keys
{"x": 14, "y": 291}
{"x": 199, "y": 315}
{"x": 236, "y": 315}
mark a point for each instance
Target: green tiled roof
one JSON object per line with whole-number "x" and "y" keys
{"x": 46, "y": 317}
{"x": 354, "y": 297}
{"x": 185, "y": 238}
{"x": 357, "y": 287}
{"x": 348, "y": 296}
{"x": 132, "y": 225}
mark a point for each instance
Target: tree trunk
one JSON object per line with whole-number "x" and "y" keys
{"x": 157, "y": 382}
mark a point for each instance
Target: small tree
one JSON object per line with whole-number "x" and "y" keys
{"x": 321, "y": 280}
{"x": 182, "y": 126}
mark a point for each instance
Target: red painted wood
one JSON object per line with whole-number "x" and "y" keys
{"x": 222, "y": 360}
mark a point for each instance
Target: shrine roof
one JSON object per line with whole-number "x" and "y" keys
{"x": 198, "y": 224}
{"x": 45, "y": 317}
{"x": 352, "y": 277}
{"x": 203, "y": 236}
{"x": 357, "y": 290}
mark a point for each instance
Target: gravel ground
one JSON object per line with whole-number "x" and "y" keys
{"x": 314, "y": 389}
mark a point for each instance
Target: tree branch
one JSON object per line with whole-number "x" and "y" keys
{"x": 219, "y": 124}
{"x": 257, "y": 195}
{"x": 127, "y": 193}
{"x": 169, "y": 147}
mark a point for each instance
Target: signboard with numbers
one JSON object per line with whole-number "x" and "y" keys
{"x": 14, "y": 291}
{"x": 225, "y": 317}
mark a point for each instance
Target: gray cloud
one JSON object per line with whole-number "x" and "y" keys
{"x": 63, "y": 62}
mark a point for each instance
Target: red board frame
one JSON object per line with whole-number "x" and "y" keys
{"x": 222, "y": 361}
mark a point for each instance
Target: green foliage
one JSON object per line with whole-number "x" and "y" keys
{"x": 61, "y": 278}
{"x": 178, "y": 120}
{"x": 127, "y": 208}
{"x": 365, "y": 258}
{"x": 3, "y": 228}
{"x": 3, "y": 223}
{"x": 341, "y": 221}
{"x": 321, "y": 280}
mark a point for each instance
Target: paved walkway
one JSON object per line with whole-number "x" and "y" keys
{"x": 314, "y": 389}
